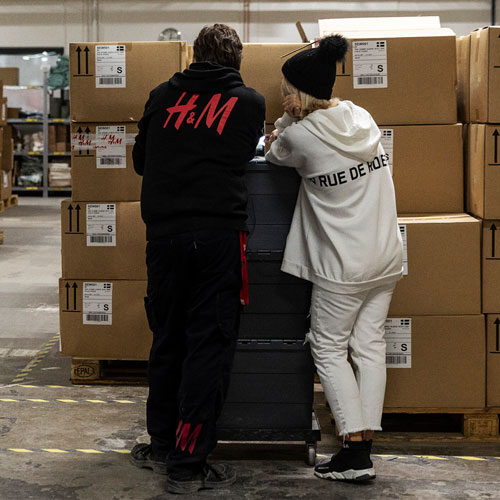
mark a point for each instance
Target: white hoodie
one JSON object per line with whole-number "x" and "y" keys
{"x": 344, "y": 235}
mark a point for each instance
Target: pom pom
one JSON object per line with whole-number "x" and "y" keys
{"x": 335, "y": 47}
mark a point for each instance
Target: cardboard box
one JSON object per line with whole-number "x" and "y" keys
{"x": 110, "y": 323}
{"x": 483, "y": 171}
{"x": 463, "y": 78}
{"x": 7, "y": 150}
{"x": 427, "y": 167}
{"x": 103, "y": 240}
{"x": 3, "y": 112}
{"x": 115, "y": 85}
{"x": 13, "y": 112}
{"x": 52, "y": 138}
{"x": 447, "y": 363}
{"x": 110, "y": 175}
{"x": 493, "y": 360}
{"x": 443, "y": 266}
{"x": 9, "y": 76}
{"x": 485, "y": 75}
{"x": 5, "y": 184}
{"x": 261, "y": 70}
{"x": 491, "y": 266}
{"x": 395, "y": 90}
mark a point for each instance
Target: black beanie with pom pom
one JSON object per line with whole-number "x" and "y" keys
{"x": 313, "y": 71}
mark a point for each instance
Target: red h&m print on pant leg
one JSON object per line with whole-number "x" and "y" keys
{"x": 187, "y": 438}
{"x": 210, "y": 112}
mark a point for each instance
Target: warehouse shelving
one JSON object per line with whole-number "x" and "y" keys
{"x": 44, "y": 121}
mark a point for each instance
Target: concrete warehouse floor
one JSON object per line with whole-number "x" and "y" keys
{"x": 59, "y": 441}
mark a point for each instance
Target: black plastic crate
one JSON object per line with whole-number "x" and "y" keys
{"x": 273, "y": 326}
{"x": 263, "y": 178}
{"x": 271, "y": 386}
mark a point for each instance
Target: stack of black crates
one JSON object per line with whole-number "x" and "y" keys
{"x": 271, "y": 393}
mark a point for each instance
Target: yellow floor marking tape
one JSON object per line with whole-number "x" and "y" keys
{"x": 38, "y": 400}
{"x": 95, "y": 401}
{"x": 20, "y": 450}
{"x": 8, "y": 400}
{"x": 54, "y": 450}
{"x": 124, "y": 401}
{"x": 122, "y": 451}
{"x": 25, "y": 385}
{"x": 89, "y": 451}
{"x": 321, "y": 456}
{"x": 431, "y": 457}
{"x": 67, "y": 400}
{"x": 473, "y": 458}
{"x": 52, "y": 386}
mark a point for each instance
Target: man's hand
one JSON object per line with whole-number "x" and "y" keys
{"x": 292, "y": 105}
{"x": 272, "y": 136}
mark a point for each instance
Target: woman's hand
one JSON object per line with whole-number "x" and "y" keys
{"x": 272, "y": 136}
{"x": 292, "y": 105}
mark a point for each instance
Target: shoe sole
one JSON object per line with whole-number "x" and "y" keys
{"x": 348, "y": 475}
{"x": 184, "y": 488}
{"x": 157, "y": 467}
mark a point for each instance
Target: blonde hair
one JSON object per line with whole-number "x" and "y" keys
{"x": 308, "y": 102}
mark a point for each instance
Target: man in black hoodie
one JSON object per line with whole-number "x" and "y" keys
{"x": 197, "y": 135}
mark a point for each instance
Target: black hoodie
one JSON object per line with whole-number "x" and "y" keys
{"x": 198, "y": 133}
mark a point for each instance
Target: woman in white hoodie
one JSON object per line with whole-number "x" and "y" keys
{"x": 345, "y": 239}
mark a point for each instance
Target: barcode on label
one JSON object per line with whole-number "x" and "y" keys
{"x": 370, "y": 80}
{"x": 101, "y": 239}
{"x": 97, "y": 317}
{"x": 110, "y": 81}
{"x": 396, "y": 360}
{"x": 110, "y": 160}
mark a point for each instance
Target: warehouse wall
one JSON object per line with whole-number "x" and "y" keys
{"x": 51, "y": 22}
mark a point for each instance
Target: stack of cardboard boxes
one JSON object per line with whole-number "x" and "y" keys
{"x": 6, "y": 150}
{"x": 103, "y": 237}
{"x": 435, "y": 333}
{"x": 479, "y": 105}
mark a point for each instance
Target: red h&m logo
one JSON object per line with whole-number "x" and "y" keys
{"x": 210, "y": 110}
{"x": 185, "y": 438}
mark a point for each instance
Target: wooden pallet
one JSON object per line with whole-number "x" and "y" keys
{"x": 111, "y": 372}
{"x": 454, "y": 425}
{"x": 2, "y": 206}
{"x": 1, "y": 238}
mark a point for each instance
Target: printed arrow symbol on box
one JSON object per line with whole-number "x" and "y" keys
{"x": 79, "y": 132}
{"x": 497, "y": 328}
{"x": 70, "y": 210}
{"x": 495, "y": 135}
{"x": 67, "y": 286}
{"x": 78, "y": 218}
{"x": 79, "y": 51}
{"x": 75, "y": 286}
{"x": 86, "y": 50}
{"x": 493, "y": 230}
{"x": 87, "y": 132}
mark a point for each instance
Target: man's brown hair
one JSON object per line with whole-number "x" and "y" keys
{"x": 218, "y": 44}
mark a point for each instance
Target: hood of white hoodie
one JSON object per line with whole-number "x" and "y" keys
{"x": 345, "y": 127}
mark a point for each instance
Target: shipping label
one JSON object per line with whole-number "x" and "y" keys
{"x": 110, "y": 66}
{"x": 369, "y": 64}
{"x": 5, "y": 179}
{"x": 111, "y": 147}
{"x": 97, "y": 303}
{"x": 402, "y": 230}
{"x": 101, "y": 224}
{"x": 387, "y": 141}
{"x": 398, "y": 342}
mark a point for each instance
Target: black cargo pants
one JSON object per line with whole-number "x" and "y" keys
{"x": 193, "y": 308}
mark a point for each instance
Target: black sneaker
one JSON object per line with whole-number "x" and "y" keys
{"x": 213, "y": 477}
{"x": 142, "y": 456}
{"x": 351, "y": 463}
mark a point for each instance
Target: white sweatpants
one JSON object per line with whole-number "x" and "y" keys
{"x": 351, "y": 324}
